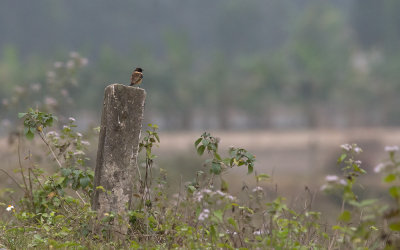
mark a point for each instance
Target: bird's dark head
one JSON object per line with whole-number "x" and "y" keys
{"x": 139, "y": 69}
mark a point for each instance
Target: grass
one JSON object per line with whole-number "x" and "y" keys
{"x": 54, "y": 210}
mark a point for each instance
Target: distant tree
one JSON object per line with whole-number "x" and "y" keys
{"x": 319, "y": 55}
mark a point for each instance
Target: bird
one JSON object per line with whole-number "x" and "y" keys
{"x": 137, "y": 77}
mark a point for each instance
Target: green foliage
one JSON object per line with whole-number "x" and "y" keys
{"x": 36, "y": 121}
{"x": 238, "y": 156}
{"x": 201, "y": 216}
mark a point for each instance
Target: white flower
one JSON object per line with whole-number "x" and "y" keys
{"x": 79, "y": 152}
{"x": 258, "y": 188}
{"x": 35, "y": 86}
{"x": 50, "y": 101}
{"x": 64, "y": 92}
{"x": 346, "y": 147}
{"x": 199, "y": 197}
{"x": 258, "y": 232}
{"x": 71, "y": 119}
{"x": 19, "y": 89}
{"x": 204, "y": 214}
{"x": 86, "y": 143}
{"x": 391, "y": 148}
{"x": 78, "y": 134}
{"x": 73, "y": 54}
{"x": 84, "y": 61}
{"x": 207, "y": 191}
{"x": 343, "y": 182}
{"x": 358, "y": 162}
{"x": 66, "y": 127}
{"x": 9, "y": 208}
{"x": 331, "y": 178}
{"x": 220, "y": 193}
{"x": 52, "y": 134}
{"x": 51, "y": 74}
{"x": 230, "y": 197}
{"x": 357, "y": 150}
{"x": 324, "y": 187}
{"x": 5, "y": 102}
{"x": 70, "y": 64}
{"x": 379, "y": 167}
{"x": 58, "y": 65}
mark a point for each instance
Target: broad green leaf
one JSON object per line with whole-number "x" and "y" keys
{"x": 191, "y": 188}
{"x": 197, "y": 142}
{"x": 84, "y": 182}
{"x": 200, "y": 150}
{"x": 66, "y": 171}
{"x": 224, "y": 185}
{"x": 394, "y": 192}
{"x": 345, "y": 216}
{"x": 213, "y": 232}
{"x": 20, "y": 115}
{"x": 341, "y": 158}
{"x": 215, "y": 168}
{"x": 261, "y": 177}
{"x": 219, "y": 214}
{"x": 233, "y": 223}
{"x": 250, "y": 169}
{"x": 29, "y": 134}
{"x": 60, "y": 180}
{"x": 390, "y": 178}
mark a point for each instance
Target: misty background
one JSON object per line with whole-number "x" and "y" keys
{"x": 288, "y": 80}
{"x": 216, "y": 64}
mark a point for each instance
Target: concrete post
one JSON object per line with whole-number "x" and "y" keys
{"x": 121, "y": 124}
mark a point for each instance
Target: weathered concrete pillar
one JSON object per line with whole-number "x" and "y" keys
{"x": 121, "y": 123}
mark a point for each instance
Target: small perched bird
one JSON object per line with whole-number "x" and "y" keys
{"x": 137, "y": 77}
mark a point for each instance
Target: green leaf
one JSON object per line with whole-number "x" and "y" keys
{"x": 66, "y": 171}
{"x": 250, "y": 169}
{"x": 191, "y": 188}
{"x": 341, "y": 158}
{"x": 60, "y": 180}
{"x": 49, "y": 122}
{"x": 390, "y": 178}
{"x": 29, "y": 134}
{"x": 395, "y": 226}
{"x": 219, "y": 214}
{"x": 200, "y": 150}
{"x": 345, "y": 216}
{"x": 213, "y": 232}
{"x": 20, "y": 115}
{"x": 394, "y": 192}
{"x": 84, "y": 182}
{"x": 233, "y": 223}
{"x": 224, "y": 185}
{"x": 215, "y": 168}
{"x": 261, "y": 177}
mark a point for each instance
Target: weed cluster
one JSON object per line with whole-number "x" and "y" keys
{"x": 55, "y": 209}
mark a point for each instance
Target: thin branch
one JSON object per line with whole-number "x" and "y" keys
{"x": 19, "y": 161}
{"x": 12, "y": 178}
{"x": 51, "y": 150}
{"x": 80, "y": 197}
